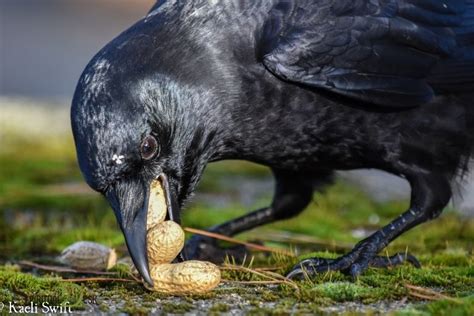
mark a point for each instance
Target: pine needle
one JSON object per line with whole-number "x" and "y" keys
{"x": 428, "y": 294}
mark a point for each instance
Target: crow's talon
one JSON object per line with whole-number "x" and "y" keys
{"x": 395, "y": 260}
{"x": 205, "y": 248}
{"x": 310, "y": 267}
{"x": 356, "y": 269}
{"x": 348, "y": 264}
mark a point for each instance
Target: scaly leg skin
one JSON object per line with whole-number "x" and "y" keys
{"x": 430, "y": 194}
{"x": 293, "y": 192}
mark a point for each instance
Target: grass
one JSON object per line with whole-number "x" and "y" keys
{"x": 44, "y": 207}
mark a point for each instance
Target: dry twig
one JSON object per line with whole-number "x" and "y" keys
{"x": 254, "y": 282}
{"x": 236, "y": 241}
{"x": 98, "y": 280}
{"x": 60, "y": 269}
{"x": 428, "y": 294}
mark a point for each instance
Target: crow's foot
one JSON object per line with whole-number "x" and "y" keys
{"x": 353, "y": 264}
{"x": 205, "y": 248}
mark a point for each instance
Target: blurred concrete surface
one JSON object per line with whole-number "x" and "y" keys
{"x": 45, "y": 44}
{"x": 382, "y": 186}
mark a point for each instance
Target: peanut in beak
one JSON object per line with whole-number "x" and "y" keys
{"x": 165, "y": 239}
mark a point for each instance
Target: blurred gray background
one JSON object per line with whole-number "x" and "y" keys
{"x": 45, "y": 44}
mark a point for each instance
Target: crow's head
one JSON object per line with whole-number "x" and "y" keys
{"x": 133, "y": 125}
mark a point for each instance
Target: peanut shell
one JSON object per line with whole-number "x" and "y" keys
{"x": 189, "y": 277}
{"x": 164, "y": 242}
{"x": 157, "y": 207}
{"x": 85, "y": 255}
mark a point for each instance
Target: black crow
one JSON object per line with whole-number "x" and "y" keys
{"x": 304, "y": 87}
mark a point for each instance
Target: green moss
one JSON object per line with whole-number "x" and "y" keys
{"x": 123, "y": 270}
{"x": 176, "y": 308}
{"x": 464, "y": 306}
{"x": 452, "y": 258}
{"x": 24, "y": 288}
{"x": 219, "y": 308}
{"x": 6, "y": 295}
{"x": 260, "y": 311}
{"x": 459, "y": 307}
{"x": 103, "y": 307}
{"x": 269, "y": 296}
{"x": 135, "y": 308}
{"x": 345, "y": 291}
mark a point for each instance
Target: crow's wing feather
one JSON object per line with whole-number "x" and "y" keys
{"x": 396, "y": 53}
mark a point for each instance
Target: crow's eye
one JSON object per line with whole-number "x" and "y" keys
{"x": 149, "y": 147}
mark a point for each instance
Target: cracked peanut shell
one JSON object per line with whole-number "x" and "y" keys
{"x": 86, "y": 255}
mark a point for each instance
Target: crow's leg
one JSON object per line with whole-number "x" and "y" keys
{"x": 293, "y": 192}
{"x": 430, "y": 194}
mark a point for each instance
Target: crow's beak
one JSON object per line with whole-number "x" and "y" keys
{"x": 171, "y": 201}
{"x": 130, "y": 200}
{"x": 172, "y": 207}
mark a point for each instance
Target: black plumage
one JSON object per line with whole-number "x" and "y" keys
{"x": 303, "y": 87}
